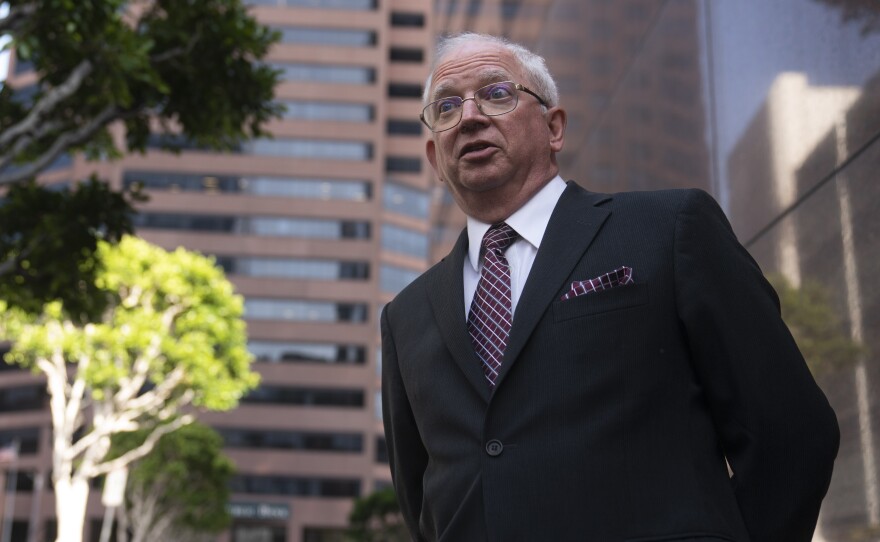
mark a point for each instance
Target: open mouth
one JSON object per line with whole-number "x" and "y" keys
{"x": 475, "y": 149}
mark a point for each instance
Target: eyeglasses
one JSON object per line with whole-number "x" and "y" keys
{"x": 492, "y": 100}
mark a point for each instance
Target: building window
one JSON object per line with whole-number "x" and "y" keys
{"x": 23, "y": 398}
{"x": 404, "y": 241}
{"x": 407, "y": 19}
{"x": 308, "y": 397}
{"x": 322, "y": 4}
{"x": 330, "y": 111}
{"x": 313, "y": 441}
{"x": 314, "y": 149}
{"x": 324, "y": 189}
{"x": 294, "y": 268}
{"x": 28, "y": 439}
{"x": 293, "y": 352}
{"x": 381, "y": 450}
{"x": 295, "y": 486}
{"x": 346, "y": 37}
{"x": 313, "y": 228}
{"x": 406, "y": 200}
{"x": 404, "y": 127}
{"x": 304, "y": 311}
{"x": 393, "y": 279}
{"x": 403, "y": 164}
{"x": 406, "y": 54}
{"x": 404, "y": 90}
{"x": 323, "y": 73}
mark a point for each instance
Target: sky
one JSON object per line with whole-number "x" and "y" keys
{"x": 4, "y": 57}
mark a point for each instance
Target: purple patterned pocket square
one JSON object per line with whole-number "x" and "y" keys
{"x": 619, "y": 277}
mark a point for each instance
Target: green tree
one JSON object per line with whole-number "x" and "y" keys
{"x": 180, "y": 490}
{"x": 171, "y": 336}
{"x": 192, "y": 68}
{"x": 816, "y": 326}
{"x": 376, "y": 518}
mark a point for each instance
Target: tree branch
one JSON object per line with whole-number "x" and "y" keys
{"x": 48, "y": 102}
{"x": 142, "y": 450}
{"x": 66, "y": 140}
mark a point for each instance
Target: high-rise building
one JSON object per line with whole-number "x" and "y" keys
{"x": 317, "y": 227}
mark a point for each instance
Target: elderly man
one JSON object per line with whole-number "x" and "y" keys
{"x": 583, "y": 366}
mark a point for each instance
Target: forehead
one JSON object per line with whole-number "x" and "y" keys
{"x": 474, "y": 65}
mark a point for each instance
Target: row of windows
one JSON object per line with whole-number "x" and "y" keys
{"x": 318, "y": 149}
{"x": 295, "y": 352}
{"x": 308, "y": 397}
{"x": 404, "y": 241}
{"x": 292, "y": 440}
{"x": 314, "y": 149}
{"x": 323, "y": 4}
{"x": 294, "y": 187}
{"x": 295, "y": 486}
{"x": 294, "y": 268}
{"x": 397, "y": 18}
{"x": 332, "y": 111}
{"x": 28, "y": 439}
{"x": 23, "y": 398}
{"x": 312, "y": 228}
{"x": 403, "y": 164}
{"x": 348, "y": 37}
{"x": 304, "y": 311}
{"x": 323, "y": 73}
{"x": 393, "y": 279}
{"x": 406, "y": 200}
{"x": 403, "y": 127}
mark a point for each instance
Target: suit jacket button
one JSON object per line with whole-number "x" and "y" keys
{"x": 494, "y": 447}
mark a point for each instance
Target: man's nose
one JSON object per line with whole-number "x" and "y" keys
{"x": 471, "y": 113}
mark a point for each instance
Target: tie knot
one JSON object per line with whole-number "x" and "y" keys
{"x": 499, "y": 236}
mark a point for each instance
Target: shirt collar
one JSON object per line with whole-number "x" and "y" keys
{"x": 529, "y": 221}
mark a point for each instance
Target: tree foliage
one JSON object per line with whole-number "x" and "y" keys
{"x": 376, "y": 518}
{"x": 190, "y": 65}
{"x": 180, "y": 490}
{"x": 172, "y": 335}
{"x": 816, "y": 326}
{"x": 48, "y": 241}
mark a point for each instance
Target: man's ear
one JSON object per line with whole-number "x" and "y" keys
{"x": 431, "y": 154}
{"x": 556, "y": 120}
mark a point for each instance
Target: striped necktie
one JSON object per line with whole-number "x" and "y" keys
{"x": 491, "y": 314}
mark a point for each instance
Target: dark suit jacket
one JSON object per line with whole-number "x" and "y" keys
{"x": 613, "y": 412}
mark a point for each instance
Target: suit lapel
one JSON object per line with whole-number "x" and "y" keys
{"x": 446, "y": 294}
{"x": 575, "y": 222}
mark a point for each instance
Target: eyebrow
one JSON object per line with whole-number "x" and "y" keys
{"x": 484, "y": 78}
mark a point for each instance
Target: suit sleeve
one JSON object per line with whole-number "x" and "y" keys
{"x": 406, "y": 453}
{"x": 777, "y": 429}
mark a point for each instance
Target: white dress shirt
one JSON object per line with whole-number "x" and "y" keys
{"x": 530, "y": 222}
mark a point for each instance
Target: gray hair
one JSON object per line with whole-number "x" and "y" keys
{"x": 532, "y": 64}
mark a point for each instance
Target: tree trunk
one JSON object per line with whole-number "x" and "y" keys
{"x": 71, "y": 497}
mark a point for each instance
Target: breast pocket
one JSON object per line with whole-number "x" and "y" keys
{"x": 614, "y": 299}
